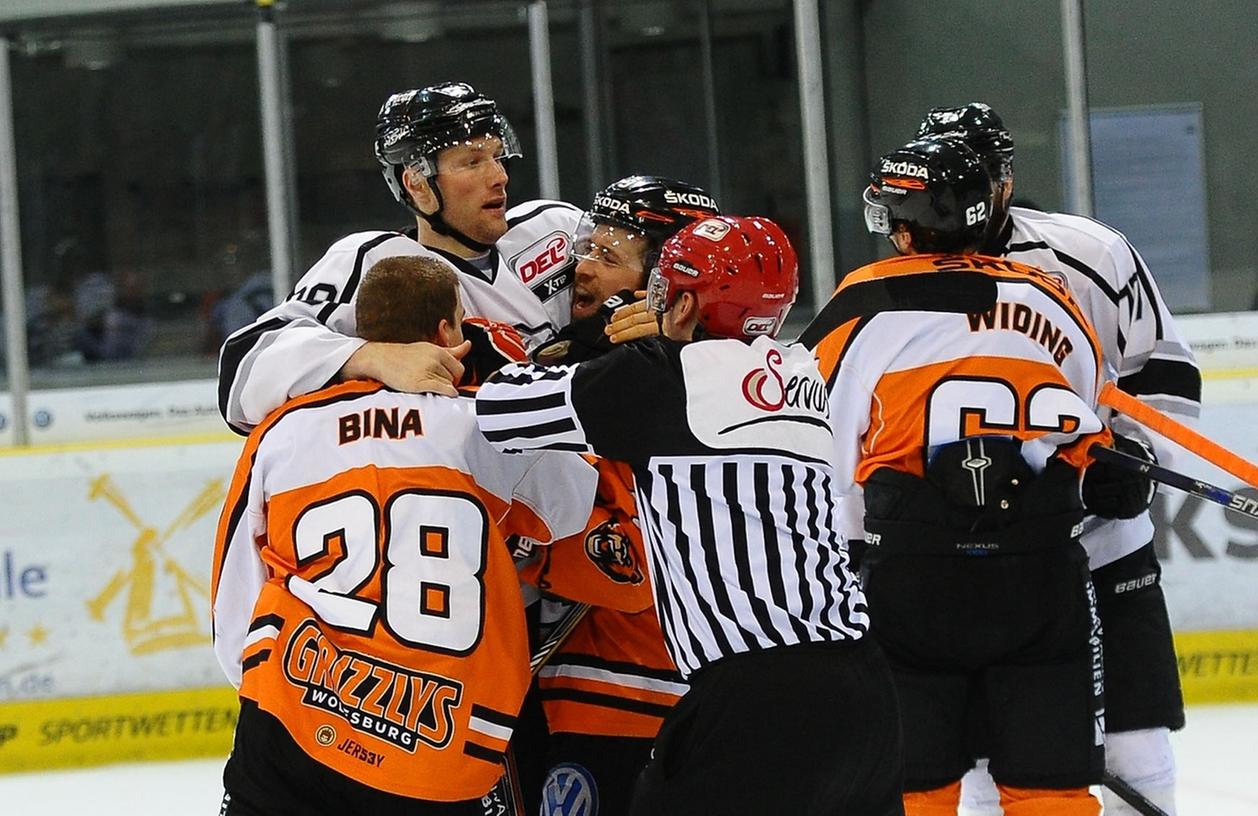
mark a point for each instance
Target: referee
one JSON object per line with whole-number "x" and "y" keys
{"x": 791, "y": 708}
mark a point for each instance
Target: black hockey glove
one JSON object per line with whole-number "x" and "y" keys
{"x": 583, "y": 339}
{"x": 1112, "y": 491}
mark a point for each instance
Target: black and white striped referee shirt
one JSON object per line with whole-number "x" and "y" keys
{"x": 730, "y": 446}
{"x": 1139, "y": 340}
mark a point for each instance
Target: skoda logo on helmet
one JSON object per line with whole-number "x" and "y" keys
{"x": 904, "y": 168}
{"x": 693, "y": 199}
{"x": 607, "y": 203}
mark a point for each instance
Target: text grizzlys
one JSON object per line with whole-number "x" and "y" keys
{"x": 397, "y": 705}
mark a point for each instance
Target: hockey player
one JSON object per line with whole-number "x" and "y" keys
{"x": 1139, "y": 340}
{"x": 968, "y": 435}
{"x": 443, "y": 151}
{"x": 790, "y": 707}
{"x": 365, "y": 603}
{"x": 609, "y": 687}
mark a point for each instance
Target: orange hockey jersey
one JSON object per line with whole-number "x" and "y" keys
{"x": 904, "y": 382}
{"x": 612, "y": 676}
{"x": 363, "y": 592}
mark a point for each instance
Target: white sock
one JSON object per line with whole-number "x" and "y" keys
{"x": 979, "y": 796}
{"x": 1144, "y": 760}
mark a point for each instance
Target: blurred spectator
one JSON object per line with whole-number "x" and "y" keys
{"x": 242, "y": 306}
{"x": 51, "y": 324}
{"x": 85, "y": 315}
{"x": 113, "y": 324}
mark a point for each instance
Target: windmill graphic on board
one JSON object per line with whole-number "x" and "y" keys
{"x": 145, "y": 629}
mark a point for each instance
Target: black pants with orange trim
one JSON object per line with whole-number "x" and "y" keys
{"x": 809, "y": 730}
{"x": 268, "y": 774}
{"x": 995, "y": 656}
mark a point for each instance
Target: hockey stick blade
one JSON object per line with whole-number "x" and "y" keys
{"x": 951, "y": 292}
{"x": 1131, "y": 796}
{"x": 1236, "y": 502}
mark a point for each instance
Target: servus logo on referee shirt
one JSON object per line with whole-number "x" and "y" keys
{"x": 763, "y": 395}
{"x": 764, "y": 388}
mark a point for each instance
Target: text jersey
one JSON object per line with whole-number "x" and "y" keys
{"x": 612, "y": 676}
{"x": 363, "y": 592}
{"x": 301, "y": 344}
{"x": 903, "y": 382}
{"x": 1138, "y": 336}
{"x": 729, "y": 447}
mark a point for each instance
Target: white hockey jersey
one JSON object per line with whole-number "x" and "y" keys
{"x": 1139, "y": 341}
{"x": 300, "y": 345}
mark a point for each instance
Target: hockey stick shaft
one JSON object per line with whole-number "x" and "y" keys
{"x": 952, "y": 292}
{"x": 557, "y": 635}
{"x": 507, "y": 790}
{"x": 1131, "y": 796}
{"x": 1179, "y": 433}
{"x": 1233, "y": 501}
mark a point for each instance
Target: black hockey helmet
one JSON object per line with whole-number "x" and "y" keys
{"x": 980, "y": 128}
{"x": 938, "y": 188}
{"x": 650, "y": 209}
{"x": 414, "y": 126}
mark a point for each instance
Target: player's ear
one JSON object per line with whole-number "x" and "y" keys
{"x": 420, "y": 190}
{"x": 687, "y": 306}
{"x": 445, "y": 334}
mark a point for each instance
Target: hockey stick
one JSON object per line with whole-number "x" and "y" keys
{"x": 1131, "y": 796}
{"x": 1179, "y": 433}
{"x": 953, "y": 292}
{"x": 1232, "y": 501}
{"x": 507, "y": 790}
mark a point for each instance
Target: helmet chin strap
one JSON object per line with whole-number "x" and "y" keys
{"x": 442, "y": 227}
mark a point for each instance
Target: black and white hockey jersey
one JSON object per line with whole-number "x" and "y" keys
{"x": 730, "y": 445}
{"x": 300, "y": 345}
{"x": 1139, "y": 341}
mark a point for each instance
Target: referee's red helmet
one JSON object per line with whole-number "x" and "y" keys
{"x": 742, "y": 270}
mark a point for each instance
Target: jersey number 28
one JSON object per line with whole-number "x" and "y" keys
{"x": 434, "y": 545}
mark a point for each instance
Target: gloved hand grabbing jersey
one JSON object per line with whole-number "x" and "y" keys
{"x": 1112, "y": 491}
